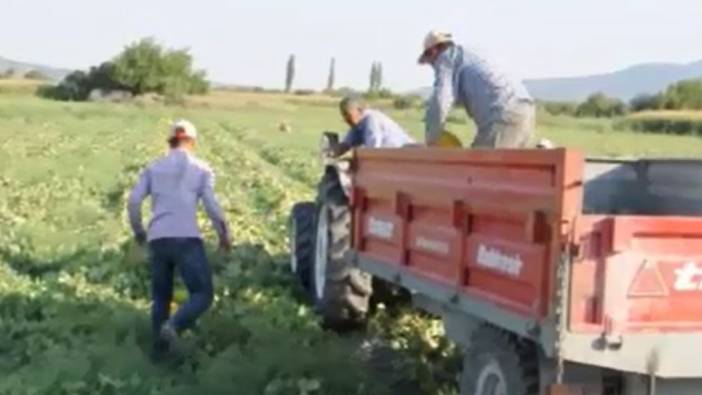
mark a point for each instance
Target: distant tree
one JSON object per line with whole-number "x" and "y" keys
{"x": 74, "y": 87}
{"x": 103, "y": 77}
{"x": 139, "y": 66}
{"x": 199, "y": 85}
{"x": 304, "y": 92}
{"x": 375, "y": 77}
{"x": 290, "y": 74}
{"x": 142, "y": 67}
{"x": 332, "y": 75}
{"x": 146, "y": 66}
{"x": 684, "y": 95}
{"x": 600, "y": 106}
{"x": 9, "y": 73}
{"x": 647, "y": 102}
{"x": 559, "y": 108}
{"x": 379, "y": 76}
{"x": 406, "y": 102}
{"x": 35, "y": 75}
{"x": 385, "y": 93}
{"x": 346, "y": 91}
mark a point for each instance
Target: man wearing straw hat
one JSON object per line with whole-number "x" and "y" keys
{"x": 502, "y": 109}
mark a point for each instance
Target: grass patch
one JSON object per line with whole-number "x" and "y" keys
{"x": 74, "y": 305}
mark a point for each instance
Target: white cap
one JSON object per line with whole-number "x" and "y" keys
{"x": 432, "y": 39}
{"x": 183, "y": 128}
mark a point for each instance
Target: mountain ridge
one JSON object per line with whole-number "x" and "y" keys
{"x": 53, "y": 73}
{"x": 644, "y": 78}
{"x": 624, "y": 84}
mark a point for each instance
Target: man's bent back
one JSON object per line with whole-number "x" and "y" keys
{"x": 176, "y": 184}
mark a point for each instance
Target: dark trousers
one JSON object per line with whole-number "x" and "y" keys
{"x": 187, "y": 255}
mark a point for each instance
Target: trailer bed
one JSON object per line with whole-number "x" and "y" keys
{"x": 598, "y": 263}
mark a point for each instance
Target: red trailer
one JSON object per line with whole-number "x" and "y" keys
{"x": 558, "y": 275}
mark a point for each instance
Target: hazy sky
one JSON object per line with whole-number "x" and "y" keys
{"x": 248, "y": 42}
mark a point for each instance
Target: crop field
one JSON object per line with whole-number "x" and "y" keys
{"x": 74, "y": 290}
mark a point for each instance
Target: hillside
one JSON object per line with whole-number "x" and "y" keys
{"x": 22, "y": 67}
{"x": 624, "y": 84}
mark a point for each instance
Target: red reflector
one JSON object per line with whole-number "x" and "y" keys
{"x": 648, "y": 281}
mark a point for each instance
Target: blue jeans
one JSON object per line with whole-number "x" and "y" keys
{"x": 188, "y": 256}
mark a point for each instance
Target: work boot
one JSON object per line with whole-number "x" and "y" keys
{"x": 168, "y": 334}
{"x": 168, "y": 337}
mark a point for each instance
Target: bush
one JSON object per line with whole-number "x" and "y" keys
{"x": 103, "y": 77}
{"x": 560, "y": 108}
{"x": 646, "y": 102}
{"x": 78, "y": 85}
{"x": 385, "y": 94}
{"x": 599, "y": 105}
{"x": 665, "y": 122}
{"x": 35, "y": 75}
{"x": 9, "y": 73}
{"x": 683, "y": 95}
{"x": 143, "y": 67}
{"x": 406, "y": 102}
{"x": 370, "y": 96}
{"x": 304, "y": 92}
{"x": 343, "y": 92}
{"x": 147, "y": 67}
{"x": 74, "y": 87}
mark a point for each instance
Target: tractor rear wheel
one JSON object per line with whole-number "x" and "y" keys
{"x": 341, "y": 291}
{"x": 302, "y": 234}
{"x": 499, "y": 363}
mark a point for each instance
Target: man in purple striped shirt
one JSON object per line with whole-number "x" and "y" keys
{"x": 176, "y": 183}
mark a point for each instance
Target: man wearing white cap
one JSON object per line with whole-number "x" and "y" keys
{"x": 176, "y": 184}
{"x": 502, "y": 109}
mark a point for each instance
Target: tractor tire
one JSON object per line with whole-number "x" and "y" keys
{"x": 341, "y": 292}
{"x": 302, "y": 234}
{"x": 499, "y": 363}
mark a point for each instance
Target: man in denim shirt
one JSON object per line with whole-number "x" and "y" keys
{"x": 502, "y": 109}
{"x": 176, "y": 183}
{"x": 369, "y": 128}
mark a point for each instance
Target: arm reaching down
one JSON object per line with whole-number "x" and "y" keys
{"x": 440, "y": 102}
{"x": 141, "y": 190}
{"x": 339, "y": 149}
{"x": 214, "y": 211}
{"x": 352, "y": 139}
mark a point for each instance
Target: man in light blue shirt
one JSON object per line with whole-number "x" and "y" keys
{"x": 369, "y": 128}
{"x": 502, "y": 109}
{"x": 176, "y": 183}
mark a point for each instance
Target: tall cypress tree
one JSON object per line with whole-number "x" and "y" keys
{"x": 290, "y": 74}
{"x": 332, "y": 75}
{"x": 373, "y": 77}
